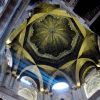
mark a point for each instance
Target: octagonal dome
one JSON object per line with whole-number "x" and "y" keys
{"x": 53, "y": 37}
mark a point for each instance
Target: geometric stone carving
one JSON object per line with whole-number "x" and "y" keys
{"x": 92, "y": 84}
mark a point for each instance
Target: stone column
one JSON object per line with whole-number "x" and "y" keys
{"x": 47, "y": 96}
{"x": 7, "y": 77}
{"x": 16, "y": 85}
{"x": 39, "y": 96}
{"x": 13, "y": 79}
{"x": 79, "y": 94}
{"x": 7, "y": 80}
{"x": 3, "y": 70}
{"x": 74, "y": 94}
{"x": 83, "y": 93}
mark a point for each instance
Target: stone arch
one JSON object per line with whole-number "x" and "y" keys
{"x": 29, "y": 96}
{"x": 58, "y": 72}
{"x": 34, "y": 69}
{"x": 85, "y": 70}
{"x": 79, "y": 64}
{"x": 34, "y": 84}
{"x": 28, "y": 90}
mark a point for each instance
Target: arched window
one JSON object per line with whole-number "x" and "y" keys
{"x": 27, "y": 88}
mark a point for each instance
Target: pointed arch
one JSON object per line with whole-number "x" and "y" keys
{"x": 58, "y": 72}
{"x": 34, "y": 69}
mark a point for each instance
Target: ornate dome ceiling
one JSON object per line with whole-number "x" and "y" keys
{"x": 53, "y": 37}
{"x": 54, "y": 40}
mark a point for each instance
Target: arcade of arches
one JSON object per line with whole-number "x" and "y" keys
{"x": 48, "y": 54}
